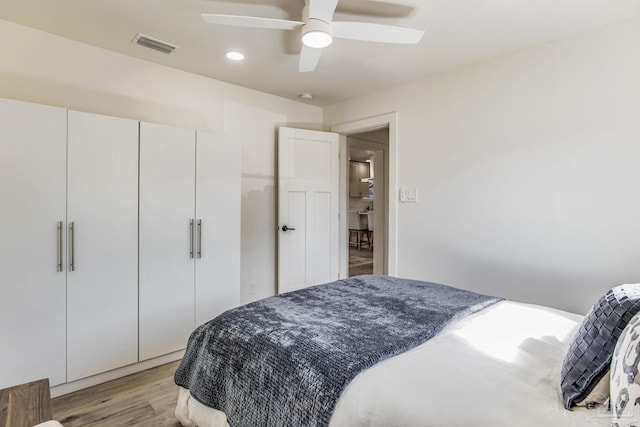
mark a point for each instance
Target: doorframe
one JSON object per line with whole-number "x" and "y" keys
{"x": 389, "y": 120}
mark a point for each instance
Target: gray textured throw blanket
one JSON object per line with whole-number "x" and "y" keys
{"x": 283, "y": 361}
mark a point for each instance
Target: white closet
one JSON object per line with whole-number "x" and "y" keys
{"x": 32, "y": 214}
{"x": 189, "y": 233}
{"x": 116, "y": 238}
{"x": 102, "y": 215}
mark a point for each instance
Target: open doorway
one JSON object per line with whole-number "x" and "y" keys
{"x": 367, "y": 201}
{"x": 385, "y": 242}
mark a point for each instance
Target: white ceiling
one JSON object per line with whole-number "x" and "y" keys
{"x": 458, "y": 33}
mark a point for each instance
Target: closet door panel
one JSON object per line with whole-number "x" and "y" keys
{"x": 167, "y": 193}
{"x": 102, "y": 283}
{"x": 218, "y": 209}
{"x": 32, "y": 289}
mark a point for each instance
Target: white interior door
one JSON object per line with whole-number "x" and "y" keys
{"x": 217, "y": 225}
{"x": 33, "y": 140}
{"x": 102, "y": 281}
{"x": 308, "y": 194}
{"x": 167, "y": 222}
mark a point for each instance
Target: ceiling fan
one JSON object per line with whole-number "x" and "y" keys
{"x": 318, "y": 29}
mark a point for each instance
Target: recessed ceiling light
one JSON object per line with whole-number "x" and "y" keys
{"x": 234, "y": 55}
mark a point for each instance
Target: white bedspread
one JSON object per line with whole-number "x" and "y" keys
{"x": 497, "y": 367}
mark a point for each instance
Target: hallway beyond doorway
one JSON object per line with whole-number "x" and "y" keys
{"x": 360, "y": 262}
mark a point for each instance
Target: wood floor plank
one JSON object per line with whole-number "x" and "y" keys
{"x": 144, "y": 399}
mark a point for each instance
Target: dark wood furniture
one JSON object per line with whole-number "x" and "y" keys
{"x": 25, "y": 405}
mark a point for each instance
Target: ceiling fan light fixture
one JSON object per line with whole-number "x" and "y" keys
{"x": 317, "y": 39}
{"x": 316, "y": 34}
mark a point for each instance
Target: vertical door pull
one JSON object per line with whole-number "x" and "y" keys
{"x": 59, "y": 248}
{"x": 199, "y": 238}
{"x": 72, "y": 255}
{"x": 191, "y": 238}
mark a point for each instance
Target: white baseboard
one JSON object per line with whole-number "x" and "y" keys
{"x": 66, "y": 388}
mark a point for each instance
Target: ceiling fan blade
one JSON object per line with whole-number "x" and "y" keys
{"x": 309, "y": 58}
{"x": 251, "y": 21}
{"x": 322, "y": 9}
{"x": 371, "y": 32}
{"x": 374, "y": 8}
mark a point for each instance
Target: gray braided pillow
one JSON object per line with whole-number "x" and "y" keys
{"x": 589, "y": 355}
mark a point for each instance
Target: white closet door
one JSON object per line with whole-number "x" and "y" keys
{"x": 102, "y": 277}
{"x": 218, "y": 225}
{"x": 167, "y": 206}
{"x": 32, "y": 290}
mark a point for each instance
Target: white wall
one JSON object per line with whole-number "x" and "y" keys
{"x": 47, "y": 69}
{"x": 527, "y": 169}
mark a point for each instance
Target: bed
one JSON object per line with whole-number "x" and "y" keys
{"x": 491, "y": 362}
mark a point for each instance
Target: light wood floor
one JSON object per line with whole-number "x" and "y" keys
{"x": 144, "y": 399}
{"x": 360, "y": 261}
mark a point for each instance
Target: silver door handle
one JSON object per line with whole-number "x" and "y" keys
{"x": 59, "y": 249}
{"x": 199, "y": 238}
{"x": 191, "y": 238}
{"x": 72, "y": 255}
{"x": 285, "y": 228}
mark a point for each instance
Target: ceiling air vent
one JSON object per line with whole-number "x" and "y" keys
{"x": 154, "y": 44}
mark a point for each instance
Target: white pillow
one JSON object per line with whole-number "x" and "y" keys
{"x": 625, "y": 390}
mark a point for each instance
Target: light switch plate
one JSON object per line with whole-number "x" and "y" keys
{"x": 408, "y": 195}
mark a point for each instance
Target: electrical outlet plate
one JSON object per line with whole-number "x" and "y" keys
{"x": 252, "y": 288}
